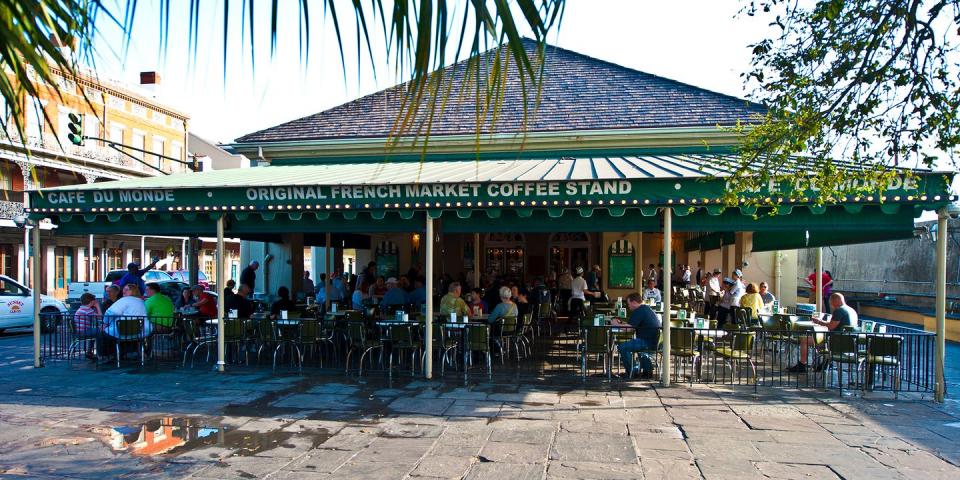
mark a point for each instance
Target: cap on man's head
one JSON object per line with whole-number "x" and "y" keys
{"x": 737, "y": 273}
{"x": 391, "y": 280}
{"x": 133, "y": 265}
{"x": 716, "y": 270}
{"x": 579, "y": 270}
{"x": 729, "y": 281}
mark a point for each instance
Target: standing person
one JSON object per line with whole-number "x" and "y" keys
{"x": 646, "y": 327}
{"x": 714, "y": 292}
{"x": 339, "y": 285}
{"x": 578, "y": 287}
{"x": 685, "y": 276}
{"x": 652, "y": 273}
{"x": 248, "y": 276}
{"x": 159, "y": 309}
{"x": 134, "y": 275}
{"x": 699, "y": 273}
{"x": 309, "y": 289}
{"x": 593, "y": 279}
{"x": 564, "y": 283}
{"x": 660, "y": 276}
{"x": 86, "y": 321}
{"x": 827, "y": 287}
{"x": 368, "y": 276}
{"x": 230, "y": 288}
{"x": 726, "y": 301}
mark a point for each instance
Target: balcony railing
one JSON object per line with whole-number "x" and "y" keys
{"x": 10, "y": 210}
{"x": 91, "y": 151}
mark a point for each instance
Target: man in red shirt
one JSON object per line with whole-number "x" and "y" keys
{"x": 205, "y": 304}
{"x": 826, "y": 286}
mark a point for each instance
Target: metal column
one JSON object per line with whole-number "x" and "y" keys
{"x": 143, "y": 251}
{"x": 667, "y": 276}
{"x": 90, "y": 270}
{"x": 221, "y": 315}
{"x": 35, "y": 272}
{"x": 940, "y": 387}
{"x": 818, "y": 284}
{"x": 428, "y": 333}
{"x": 327, "y": 266}
{"x": 476, "y": 261}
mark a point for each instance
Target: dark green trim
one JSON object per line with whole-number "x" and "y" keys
{"x": 789, "y": 240}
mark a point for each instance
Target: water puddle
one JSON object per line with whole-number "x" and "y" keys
{"x": 174, "y": 436}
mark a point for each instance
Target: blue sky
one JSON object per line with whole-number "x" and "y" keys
{"x": 697, "y": 42}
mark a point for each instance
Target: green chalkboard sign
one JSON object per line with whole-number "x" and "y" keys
{"x": 387, "y": 265}
{"x": 621, "y": 271}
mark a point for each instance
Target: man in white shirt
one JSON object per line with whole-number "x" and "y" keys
{"x": 578, "y": 287}
{"x": 685, "y": 277}
{"x": 651, "y": 292}
{"x": 713, "y": 292}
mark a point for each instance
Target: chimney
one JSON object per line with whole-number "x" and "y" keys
{"x": 150, "y": 81}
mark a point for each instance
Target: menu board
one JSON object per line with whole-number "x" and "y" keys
{"x": 387, "y": 265}
{"x": 621, "y": 271}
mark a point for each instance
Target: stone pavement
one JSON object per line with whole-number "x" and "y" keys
{"x": 68, "y": 420}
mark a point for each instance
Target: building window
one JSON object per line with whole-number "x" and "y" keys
{"x": 34, "y": 118}
{"x": 158, "y": 147}
{"x": 91, "y": 125}
{"x": 139, "y": 142}
{"x": 114, "y": 259}
{"x": 176, "y": 151}
{"x": 8, "y": 260}
{"x": 116, "y": 133}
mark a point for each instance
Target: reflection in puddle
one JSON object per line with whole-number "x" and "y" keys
{"x": 169, "y": 435}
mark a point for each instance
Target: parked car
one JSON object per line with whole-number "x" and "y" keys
{"x": 184, "y": 276}
{"x": 16, "y": 306}
{"x": 75, "y": 289}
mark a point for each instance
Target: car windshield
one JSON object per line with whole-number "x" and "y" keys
{"x": 156, "y": 276}
{"x": 9, "y": 287}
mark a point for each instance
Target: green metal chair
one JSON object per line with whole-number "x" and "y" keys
{"x": 312, "y": 338}
{"x": 402, "y": 339}
{"x": 596, "y": 341}
{"x": 357, "y": 339}
{"x": 545, "y": 317}
{"x": 442, "y": 344}
{"x": 683, "y": 348}
{"x": 234, "y": 334}
{"x": 195, "y": 338}
{"x": 525, "y": 333}
{"x": 653, "y": 353}
{"x": 508, "y": 336}
{"x": 477, "y": 340}
{"x": 842, "y": 350}
{"x": 883, "y": 353}
{"x": 130, "y": 330}
{"x": 739, "y": 350}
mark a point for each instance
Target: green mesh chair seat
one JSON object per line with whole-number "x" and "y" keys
{"x": 730, "y": 353}
{"x": 740, "y": 349}
{"x": 890, "y": 360}
{"x": 683, "y": 343}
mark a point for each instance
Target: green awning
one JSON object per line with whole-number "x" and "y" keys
{"x": 789, "y": 240}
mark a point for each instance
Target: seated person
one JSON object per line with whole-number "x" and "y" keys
{"x": 86, "y": 321}
{"x": 283, "y": 303}
{"x": 129, "y": 305}
{"x": 765, "y": 295}
{"x": 452, "y": 303}
{"x": 159, "y": 309}
{"x": 646, "y": 326}
{"x": 205, "y": 304}
{"x": 843, "y": 316}
{"x": 475, "y": 304}
{"x": 651, "y": 292}
{"x": 359, "y": 297}
{"x": 112, "y": 294}
{"x": 752, "y": 300}
{"x": 395, "y": 295}
{"x": 506, "y": 307}
{"x": 419, "y": 294}
{"x": 185, "y": 298}
{"x": 240, "y": 303}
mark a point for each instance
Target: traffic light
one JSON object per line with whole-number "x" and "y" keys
{"x": 76, "y": 129}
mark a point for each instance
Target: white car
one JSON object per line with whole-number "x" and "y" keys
{"x": 16, "y": 306}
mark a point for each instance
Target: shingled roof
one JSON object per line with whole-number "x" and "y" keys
{"x": 578, "y": 93}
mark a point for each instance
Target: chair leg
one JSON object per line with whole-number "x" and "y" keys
{"x": 117, "y": 347}
{"x": 489, "y": 365}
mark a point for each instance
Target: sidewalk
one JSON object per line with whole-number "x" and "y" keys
{"x": 72, "y": 421}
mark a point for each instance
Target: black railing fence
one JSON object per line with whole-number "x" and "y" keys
{"x": 890, "y": 357}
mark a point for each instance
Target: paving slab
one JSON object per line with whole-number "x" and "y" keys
{"x": 593, "y": 447}
{"x": 582, "y": 470}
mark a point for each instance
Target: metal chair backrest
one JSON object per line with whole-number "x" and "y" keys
{"x": 439, "y": 334}
{"x": 508, "y": 327}
{"x": 309, "y": 330}
{"x": 840, "y": 344}
{"x": 401, "y": 334}
{"x": 267, "y": 329}
{"x": 545, "y": 310}
{"x": 232, "y": 329}
{"x": 597, "y": 340}
{"x": 743, "y": 341}
{"x": 742, "y": 315}
{"x": 884, "y": 345}
{"x": 354, "y": 316}
{"x": 356, "y": 333}
{"x": 526, "y": 321}
{"x": 129, "y": 328}
{"x": 682, "y": 339}
{"x": 478, "y": 337}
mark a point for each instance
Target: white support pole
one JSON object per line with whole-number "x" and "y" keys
{"x": 35, "y": 272}
{"x": 143, "y": 251}
{"x": 428, "y": 333}
{"x": 91, "y": 273}
{"x": 183, "y": 255}
{"x": 221, "y": 315}
{"x": 476, "y": 261}
{"x": 818, "y": 284}
{"x": 327, "y": 261}
{"x": 667, "y": 276}
{"x": 940, "y": 387}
